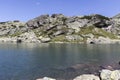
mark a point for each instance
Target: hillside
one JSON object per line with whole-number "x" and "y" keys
{"x": 56, "y": 28}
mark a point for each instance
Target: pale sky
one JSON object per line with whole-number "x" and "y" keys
{"x": 24, "y": 10}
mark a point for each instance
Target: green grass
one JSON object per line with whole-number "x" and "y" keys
{"x": 16, "y": 34}
{"x": 60, "y": 38}
{"x": 107, "y": 34}
{"x": 100, "y": 32}
{"x": 86, "y": 30}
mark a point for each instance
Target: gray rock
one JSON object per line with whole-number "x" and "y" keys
{"x": 57, "y": 16}
{"x": 8, "y": 39}
{"x": 59, "y": 27}
{"x": 45, "y": 39}
{"x": 100, "y": 40}
{"x": 43, "y": 19}
{"x": 58, "y": 33}
{"x": 46, "y": 78}
{"x": 83, "y": 22}
{"x": 97, "y": 20}
{"x": 115, "y": 26}
{"x": 115, "y": 75}
{"x": 32, "y": 24}
{"x": 39, "y": 21}
{"x": 74, "y": 38}
{"x": 105, "y": 74}
{"x": 116, "y": 16}
{"x": 87, "y": 77}
{"x": 11, "y": 27}
{"x": 110, "y": 75}
{"x": 50, "y": 27}
{"x": 12, "y": 31}
{"x": 28, "y": 37}
{"x": 75, "y": 25}
{"x": 4, "y": 32}
{"x": 70, "y": 20}
{"x": 70, "y": 31}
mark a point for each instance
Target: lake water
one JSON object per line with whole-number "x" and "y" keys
{"x": 31, "y": 61}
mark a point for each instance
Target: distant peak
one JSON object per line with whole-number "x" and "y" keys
{"x": 117, "y": 16}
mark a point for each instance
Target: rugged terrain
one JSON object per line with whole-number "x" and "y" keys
{"x": 92, "y": 29}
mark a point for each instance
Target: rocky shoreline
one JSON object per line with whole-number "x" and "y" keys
{"x": 89, "y": 71}
{"x": 35, "y": 40}
{"x": 105, "y": 74}
{"x": 57, "y": 28}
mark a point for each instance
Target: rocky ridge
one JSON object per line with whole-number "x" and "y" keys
{"x": 94, "y": 29}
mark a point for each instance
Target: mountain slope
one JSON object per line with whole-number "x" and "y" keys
{"x": 93, "y": 28}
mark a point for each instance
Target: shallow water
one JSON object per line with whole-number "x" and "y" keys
{"x": 31, "y": 61}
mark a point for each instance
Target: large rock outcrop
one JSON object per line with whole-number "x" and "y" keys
{"x": 12, "y": 28}
{"x": 60, "y": 28}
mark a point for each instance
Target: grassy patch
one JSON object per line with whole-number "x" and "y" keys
{"x": 97, "y": 33}
{"x": 16, "y": 34}
{"x": 107, "y": 34}
{"x": 60, "y": 38}
{"x": 86, "y": 30}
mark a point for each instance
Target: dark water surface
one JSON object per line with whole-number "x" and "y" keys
{"x": 31, "y": 61}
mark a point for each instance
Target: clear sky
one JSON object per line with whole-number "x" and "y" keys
{"x": 27, "y": 9}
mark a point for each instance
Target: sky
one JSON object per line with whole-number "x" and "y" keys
{"x": 25, "y": 10}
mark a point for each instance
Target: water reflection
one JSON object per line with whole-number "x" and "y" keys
{"x": 31, "y": 61}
